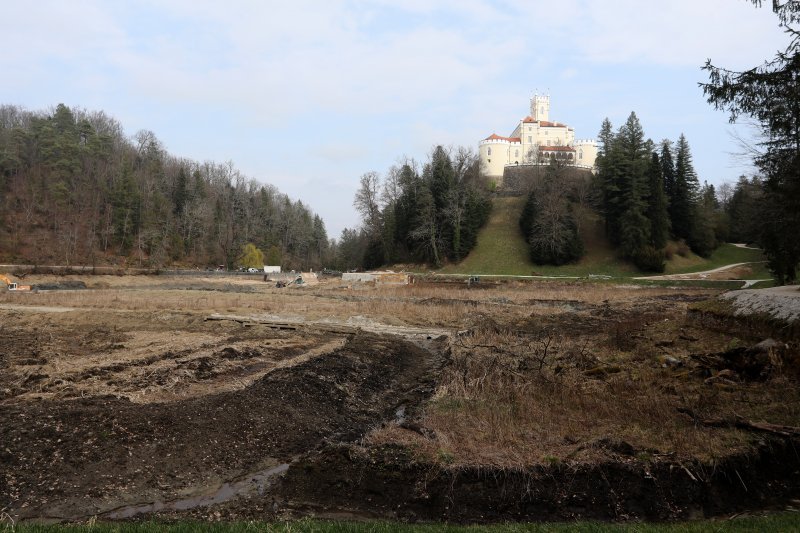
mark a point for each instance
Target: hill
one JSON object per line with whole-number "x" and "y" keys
{"x": 74, "y": 190}
{"x": 501, "y": 250}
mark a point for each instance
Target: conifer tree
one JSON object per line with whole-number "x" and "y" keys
{"x": 668, "y": 172}
{"x": 703, "y": 239}
{"x": 684, "y": 200}
{"x": 634, "y": 228}
{"x": 657, "y": 204}
{"x": 769, "y": 94}
{"x": 606, "y": 177}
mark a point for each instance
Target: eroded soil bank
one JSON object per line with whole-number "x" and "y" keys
{"x": 386, "y": 482}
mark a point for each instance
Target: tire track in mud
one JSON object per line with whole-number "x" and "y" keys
{"x": 88, "y": 456}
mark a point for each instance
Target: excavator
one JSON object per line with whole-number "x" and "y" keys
{"x": 13, "y": 285}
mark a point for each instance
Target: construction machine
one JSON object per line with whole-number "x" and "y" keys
{"x": 13, "y": 285}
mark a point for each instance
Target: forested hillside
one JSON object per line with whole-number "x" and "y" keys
{"x": 75, "y": 190}
{"x": 430, "y": 215}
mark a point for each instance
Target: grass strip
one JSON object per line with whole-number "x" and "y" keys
{"x": 787, "y": 521}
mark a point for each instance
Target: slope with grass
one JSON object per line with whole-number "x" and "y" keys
{"x": 726, "y": 254}
{"x": 501, "y": 250}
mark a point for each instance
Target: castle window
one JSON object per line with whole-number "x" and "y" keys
{"x": 489, "y": 151}
{"x": 580, "y": 155}
{"x": 516, "y": 153}
{"x": 530, "y": 139}
{"x": 541, "y": 111}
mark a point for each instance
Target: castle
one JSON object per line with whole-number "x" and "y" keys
{"x": 535, "y": 141}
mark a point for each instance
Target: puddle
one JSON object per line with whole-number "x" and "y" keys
{"x": 255, "y": 483}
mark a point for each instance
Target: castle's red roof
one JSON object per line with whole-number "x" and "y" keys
{"x": 556, "y": 148}
{"x": 544, "y": 123}
{"x": 495, "y": 137}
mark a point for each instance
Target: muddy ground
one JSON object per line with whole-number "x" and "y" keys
{"x": 219, "y": 398}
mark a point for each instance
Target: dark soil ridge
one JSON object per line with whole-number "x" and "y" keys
{"x": 388, "y": 483}
{"x": 67, "y": 460}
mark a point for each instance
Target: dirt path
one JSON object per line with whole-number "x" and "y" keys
{"x": 732, "y": 272}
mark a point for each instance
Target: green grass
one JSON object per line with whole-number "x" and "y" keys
{"x": 774, "y": 522}
{"x": 726, "y": 254}
{"x": 501, "y": 250}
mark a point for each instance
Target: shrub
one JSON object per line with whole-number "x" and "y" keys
{"x": 650, "y": 260}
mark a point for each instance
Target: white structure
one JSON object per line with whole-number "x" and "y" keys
{"x": 379, "y": 278}
{"x": 272, "y": 269}
{"x": 535, "y": 141}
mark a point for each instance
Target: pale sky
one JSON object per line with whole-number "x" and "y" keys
{"x": 309, "y": 95}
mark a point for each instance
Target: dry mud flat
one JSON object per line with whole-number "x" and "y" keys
{"x": 348, "y": 402}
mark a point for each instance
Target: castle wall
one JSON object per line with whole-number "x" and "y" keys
{"x": 585, "y": 153}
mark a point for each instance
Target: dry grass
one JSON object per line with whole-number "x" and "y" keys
{"x": 512, "y": 399}
{"x": 547, "y": 372}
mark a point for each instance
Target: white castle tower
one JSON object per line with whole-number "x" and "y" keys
{"x": 540, "y": 107}
{"x": 535, "y": 141}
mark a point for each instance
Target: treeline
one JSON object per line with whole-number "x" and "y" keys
{"x": 76, "y": 190}
{"x": 651, "y": 194}
{"x": 768, "y": 94}
{"x": 411, "y": 215}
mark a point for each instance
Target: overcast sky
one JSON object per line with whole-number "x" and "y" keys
{"x": 310, "y": 95}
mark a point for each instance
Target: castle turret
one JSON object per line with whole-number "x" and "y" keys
{"x": 540, "y": 107}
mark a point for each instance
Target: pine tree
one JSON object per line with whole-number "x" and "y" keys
{"x": 668, "y": 172}
{"x": 684, "y": 200}
{"x": 657, "y": 205}
{"x": 607, "y": 169}
{"x": 633, "y": 226}
{"x": 769, "y": 94}
{"x": 703, "y": 240}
